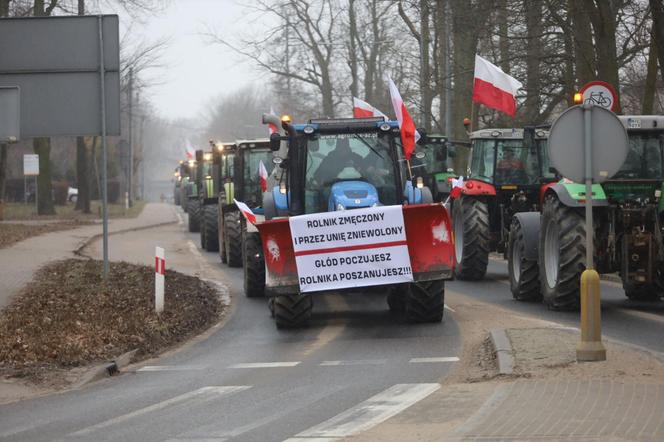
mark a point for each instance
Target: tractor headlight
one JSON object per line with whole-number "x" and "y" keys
{"x": 374, "y": 205}
{"x": 419, "y": 182}
{"x": 340, "y": 207}
{"x": 282, "y": 188}
{"x": 658, "y": 194}
{"x": 308, "y": 130}
{"x": 385, "y": 127}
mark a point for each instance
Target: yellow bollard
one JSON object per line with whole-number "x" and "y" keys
{"x": 590, "y": 348}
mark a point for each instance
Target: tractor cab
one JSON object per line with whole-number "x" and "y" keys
{"x": 434, "y": 160}
{"x": 250, "y": 154}
{"x": 223, "y": 159}
{"x": 343, "y": 164}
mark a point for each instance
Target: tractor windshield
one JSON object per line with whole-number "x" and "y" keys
{"x": 252, "y": 158}
{"x": 507, "y": 161}
{"x": 429, "y": 158}
{"x": 645, "y": 159}
{"x": 348, "y": 157}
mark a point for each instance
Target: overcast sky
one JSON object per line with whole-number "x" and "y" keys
{"x": 195, "y": 71}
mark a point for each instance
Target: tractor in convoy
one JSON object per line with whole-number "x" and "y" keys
{"x": 207, "y": 199}
{"x": 547, "y": 252}
{"x": 436, "y": 165}
{"x": 181, "y": 172}
{"x": 191, "y": 189}
{"x": 340, "y": 169}
{"x": 239, "y": 174}
{"x": 509, "y": 170}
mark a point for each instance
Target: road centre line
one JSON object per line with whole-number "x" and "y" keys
{"x": 356, "y": 362}
{"x": 429, "y": 360}
{"x": 202, "y": 394}
{"x": 367, "y": 414}
{"x": 265, "y": 364}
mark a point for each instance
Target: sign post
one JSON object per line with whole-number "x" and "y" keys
{"x": 589, "y": 144}
{"x": 30, "y": 168}
{"x": 159, "y": 279}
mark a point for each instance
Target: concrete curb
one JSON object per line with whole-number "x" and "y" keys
{"x": 86, "y": 242}
{"x": 504, "y": 351}
{"x": 105, "y": 370}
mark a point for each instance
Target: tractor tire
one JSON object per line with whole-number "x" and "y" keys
{"x": 524, "y": 274}
{"x": 233, "y": 239}
{"x": 291, "y": 311}
{"x": 221, "y": 233}
{"x": 471, "y": 238}
{"x": 642, "y": 292}
{"x": 253, "y": 263}
{"x": 194, "y": 211}
{"x": 210, "y": 229}
{"x": 423, "y": 301}
{"x": 562, "y": 253}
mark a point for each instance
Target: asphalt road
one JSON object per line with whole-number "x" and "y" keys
{"x": 352, "y": 368}
{"x": 637, "y": 323}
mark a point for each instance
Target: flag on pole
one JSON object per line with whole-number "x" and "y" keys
{"x": 362, "y": 109}
{"x": 409, "y": 134}
{"x": 246, "y": 211}
{"x": 272, "y": 129}
{"x": 189, "y": 150}
{"x": 494, "y": 88}
{"x": 262, "y": 173}
{"x": 457, "y": 186}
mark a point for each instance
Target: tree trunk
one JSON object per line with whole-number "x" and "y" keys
{"x": 503, "y": 39}
{"x": 657, "y": 10}
{"x": 352, "y": 53}
{"x": 533, "y": 52}
{"x": 425, "y": 67}
{"x": 82, "y": 164}
{"x": 603, "y": 18}
{"x": 3, "y": 171}
{"x": 42, "y": 147}
{"x": 650, "y": 87}
{"x": 440, "y": 23}
{"x": 584, "y": 53}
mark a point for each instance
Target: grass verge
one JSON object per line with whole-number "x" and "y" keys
{"x": 20, "y": 212}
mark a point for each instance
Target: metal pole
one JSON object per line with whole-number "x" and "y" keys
{"x": 587, "y": 121}
{"x": 130, "y": 174}
{"x": 104, "y": 177}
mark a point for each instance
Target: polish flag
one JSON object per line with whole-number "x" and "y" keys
{"x": 271, "y": 127}
{"x": 362, "y": 109}
{"x": 409, "y": 134}
{"x": 262, "y": 173}
{"x": 457, "y": 186}
{"x": 246, "y": 211}
{"x": 494, "y": 88}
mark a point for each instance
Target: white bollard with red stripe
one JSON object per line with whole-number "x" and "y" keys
{"x": 159, "y": 277}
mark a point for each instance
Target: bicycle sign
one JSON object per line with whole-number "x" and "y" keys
{"x": 600, "y": 93}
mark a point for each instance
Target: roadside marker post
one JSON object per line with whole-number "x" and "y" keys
{"x": 159, "y": 279}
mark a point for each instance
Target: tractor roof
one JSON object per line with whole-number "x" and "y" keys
{"x": 341, "y": 125}
{"x": 642, "y": 122}
{"x": 258, "y": 142}
{"x": 512, "y": 134}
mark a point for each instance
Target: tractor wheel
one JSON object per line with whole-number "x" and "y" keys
{"x": 424, "y": 301}
{"x": 471, "y": 238}
{"x": 292, "y": 311}
{"x": 254, "y": 265}
{"x": 194, "y": 211}
{"x": 562, "y": 252}
{"x": 209, "y": 230}
{"x": 221, "y": 233}
{"x": 233, "y": 239}
{"x": 524, "y": 274}
{"x": 642, "y": 292}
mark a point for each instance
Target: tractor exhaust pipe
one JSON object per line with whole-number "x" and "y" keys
{"x": 271, "y": 119}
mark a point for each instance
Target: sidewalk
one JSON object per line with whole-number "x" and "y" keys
{"x": 19, "y": 262}
{"x": 549, "y": 396}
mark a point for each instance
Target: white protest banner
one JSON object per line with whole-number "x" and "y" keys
{"x": 354, "y": 248}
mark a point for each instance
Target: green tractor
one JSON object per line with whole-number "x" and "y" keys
{"x": 239, "y": 173}
{"x": 433, "y": 160}
{"x": 207, "y": 200}
{"x": 191, "y": 187}
{"x": 181, "y": 171}
{"x": 547, "y": 253}
{"x": 509, "y": 170}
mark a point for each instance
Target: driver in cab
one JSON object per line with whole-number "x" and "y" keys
{"x": 509, "y": 162}
{"x": 342, "y": 157}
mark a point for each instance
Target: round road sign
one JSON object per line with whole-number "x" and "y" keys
{"x": 600, "y": 93}
{"x": 566, "y": 146}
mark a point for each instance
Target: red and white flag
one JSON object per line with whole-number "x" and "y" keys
{"x": 272, "y": 129}
{"x": 457, "y": 187}
{"x": 409, "y": 134}
{"x": 262, "y": 174}
{"x": 494, "y": 88}
{"x": 246, "y": 211}
{"x": 362, "y": 109}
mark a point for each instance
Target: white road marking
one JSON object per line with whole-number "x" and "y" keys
{"x": 441, "y": 359}
{"x": 265, "y": 364}
{"x": 449, "y": 308}
{"x": 202, "y": 394}
{"x": 170, "y": 368}
{"x": 367, "y": 414}
{"x": 180, "y": 220}
{"x": 357, "y": 362}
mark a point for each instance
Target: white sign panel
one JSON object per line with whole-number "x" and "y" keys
{"x": 354, "y": 248}
{"x": 30, "y": 165}
{"x": 599, "y": 93}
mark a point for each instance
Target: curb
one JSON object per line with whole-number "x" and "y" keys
{"x": 86, "y": 242}
{"x": 105, "y": 370}
{"x": 504, "y": 352}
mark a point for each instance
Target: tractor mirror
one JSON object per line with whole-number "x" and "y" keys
{"x": 275, "y": 142}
